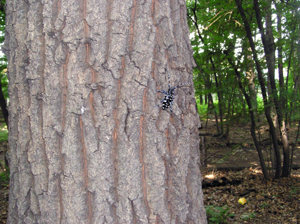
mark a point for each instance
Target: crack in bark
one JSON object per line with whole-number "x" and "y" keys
{"x": 142, "y": 156}
{"x": 85, "y": 171}
{"x": 109, "y": 25}
{"x": 133, "y": 212}
{"x": 126, "y": 123}
{"x": 63, "y": 122}
{"x": 115, "y": 131}
{"x": 132, "y": 24}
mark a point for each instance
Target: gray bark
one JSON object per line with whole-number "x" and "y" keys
{"x": 87, "y": 143}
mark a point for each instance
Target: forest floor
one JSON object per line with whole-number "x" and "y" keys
{"x": 232, "y": 172}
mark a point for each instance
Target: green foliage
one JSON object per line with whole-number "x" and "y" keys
{"x": 3, "y": 76}
{"x": 233, "y": 73}
{"x": 247, "y": 216}
{"x": 3, "y": 60}
{"x": 202, "y": 109}
{"x": 2, "y": 20}
{"x": 3, "y": 133}
{"x": 264, "y": 205}
{"x": 4, "y": 178}
{"x": 294, "y": 190}
{"x": 218, "y": 215}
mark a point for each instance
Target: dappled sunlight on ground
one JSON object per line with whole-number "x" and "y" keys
{"x": 233, "y": 172}
{"x": 276, "y": 201}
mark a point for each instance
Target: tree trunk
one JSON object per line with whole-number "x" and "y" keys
{"x": 263, "y": 89}
{"x": 210, "y": 103}
{"x": 282, "y": 92}
{"x": 252, "y": 117}
{"x": 220, "y": 99}
{"x": 3, "y": 105}
{"x": 250, "y": 75}
{"x": 269, "y": 49}
{"x": 87, "y": 143}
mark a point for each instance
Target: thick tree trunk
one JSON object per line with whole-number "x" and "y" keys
{"x": 87, "y": 143}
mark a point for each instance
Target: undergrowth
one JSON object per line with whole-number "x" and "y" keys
{"x": 4, "y": 178}
{"x": 3, "y": 133}
{"x": 218, "y": 215}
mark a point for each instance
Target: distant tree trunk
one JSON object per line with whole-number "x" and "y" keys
{"x": 220, "y": 99}
{"x": 263, "y": 89}
{"x": 201, "y": 99}
{"x": 209, "y": 99}
{"x": 207, "y": 78}
{"x": 3, "y": 105}
{"x": 290, "y": 59}
{"x": 269, "y": 49}
{"x": 252, "y": 118}
{"x": 251, "y": 79}
{"x": 212, "y": 108}
{"x": 280, "y": 62}
{"x": 87, "y": 143}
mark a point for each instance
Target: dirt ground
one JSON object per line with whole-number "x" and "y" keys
{"x": 232, "y": 172}
{"x": 237, "y": 150}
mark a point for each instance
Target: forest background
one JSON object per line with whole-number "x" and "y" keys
{"x": 247, "y": 56}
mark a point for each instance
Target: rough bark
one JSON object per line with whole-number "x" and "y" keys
{"x": 87, "y": 143}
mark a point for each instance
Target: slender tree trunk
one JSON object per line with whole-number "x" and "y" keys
{"x": 210, "y": 102}
{"x": 252, "y": 117}
{"x": 282, "y": 100}
{"x": 280, "y": 62}
{"x": 87, "y": 143}
{"x": 293, "y": 65}
{"x": 290, "y": 57}
{"x": 229, "y": 109}
{"x": 211, "y": 107}
{"x": 263, "y": 89}
{"x": 251, "y": 80}
{"x": 210, "y": 99}
{"x": 219, "y": 94}
{"x": 3, "y": 105}
{"x": 269, "y": 48}
{"x": 201, "y": 99}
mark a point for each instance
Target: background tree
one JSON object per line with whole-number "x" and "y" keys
{"x": 3, "y": 67}
{"x": 87, "y": 143}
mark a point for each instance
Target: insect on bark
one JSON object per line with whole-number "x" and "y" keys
{"x": 167, "y": 101}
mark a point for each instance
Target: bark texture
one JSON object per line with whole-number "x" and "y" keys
{"x": 87, "y": 143}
